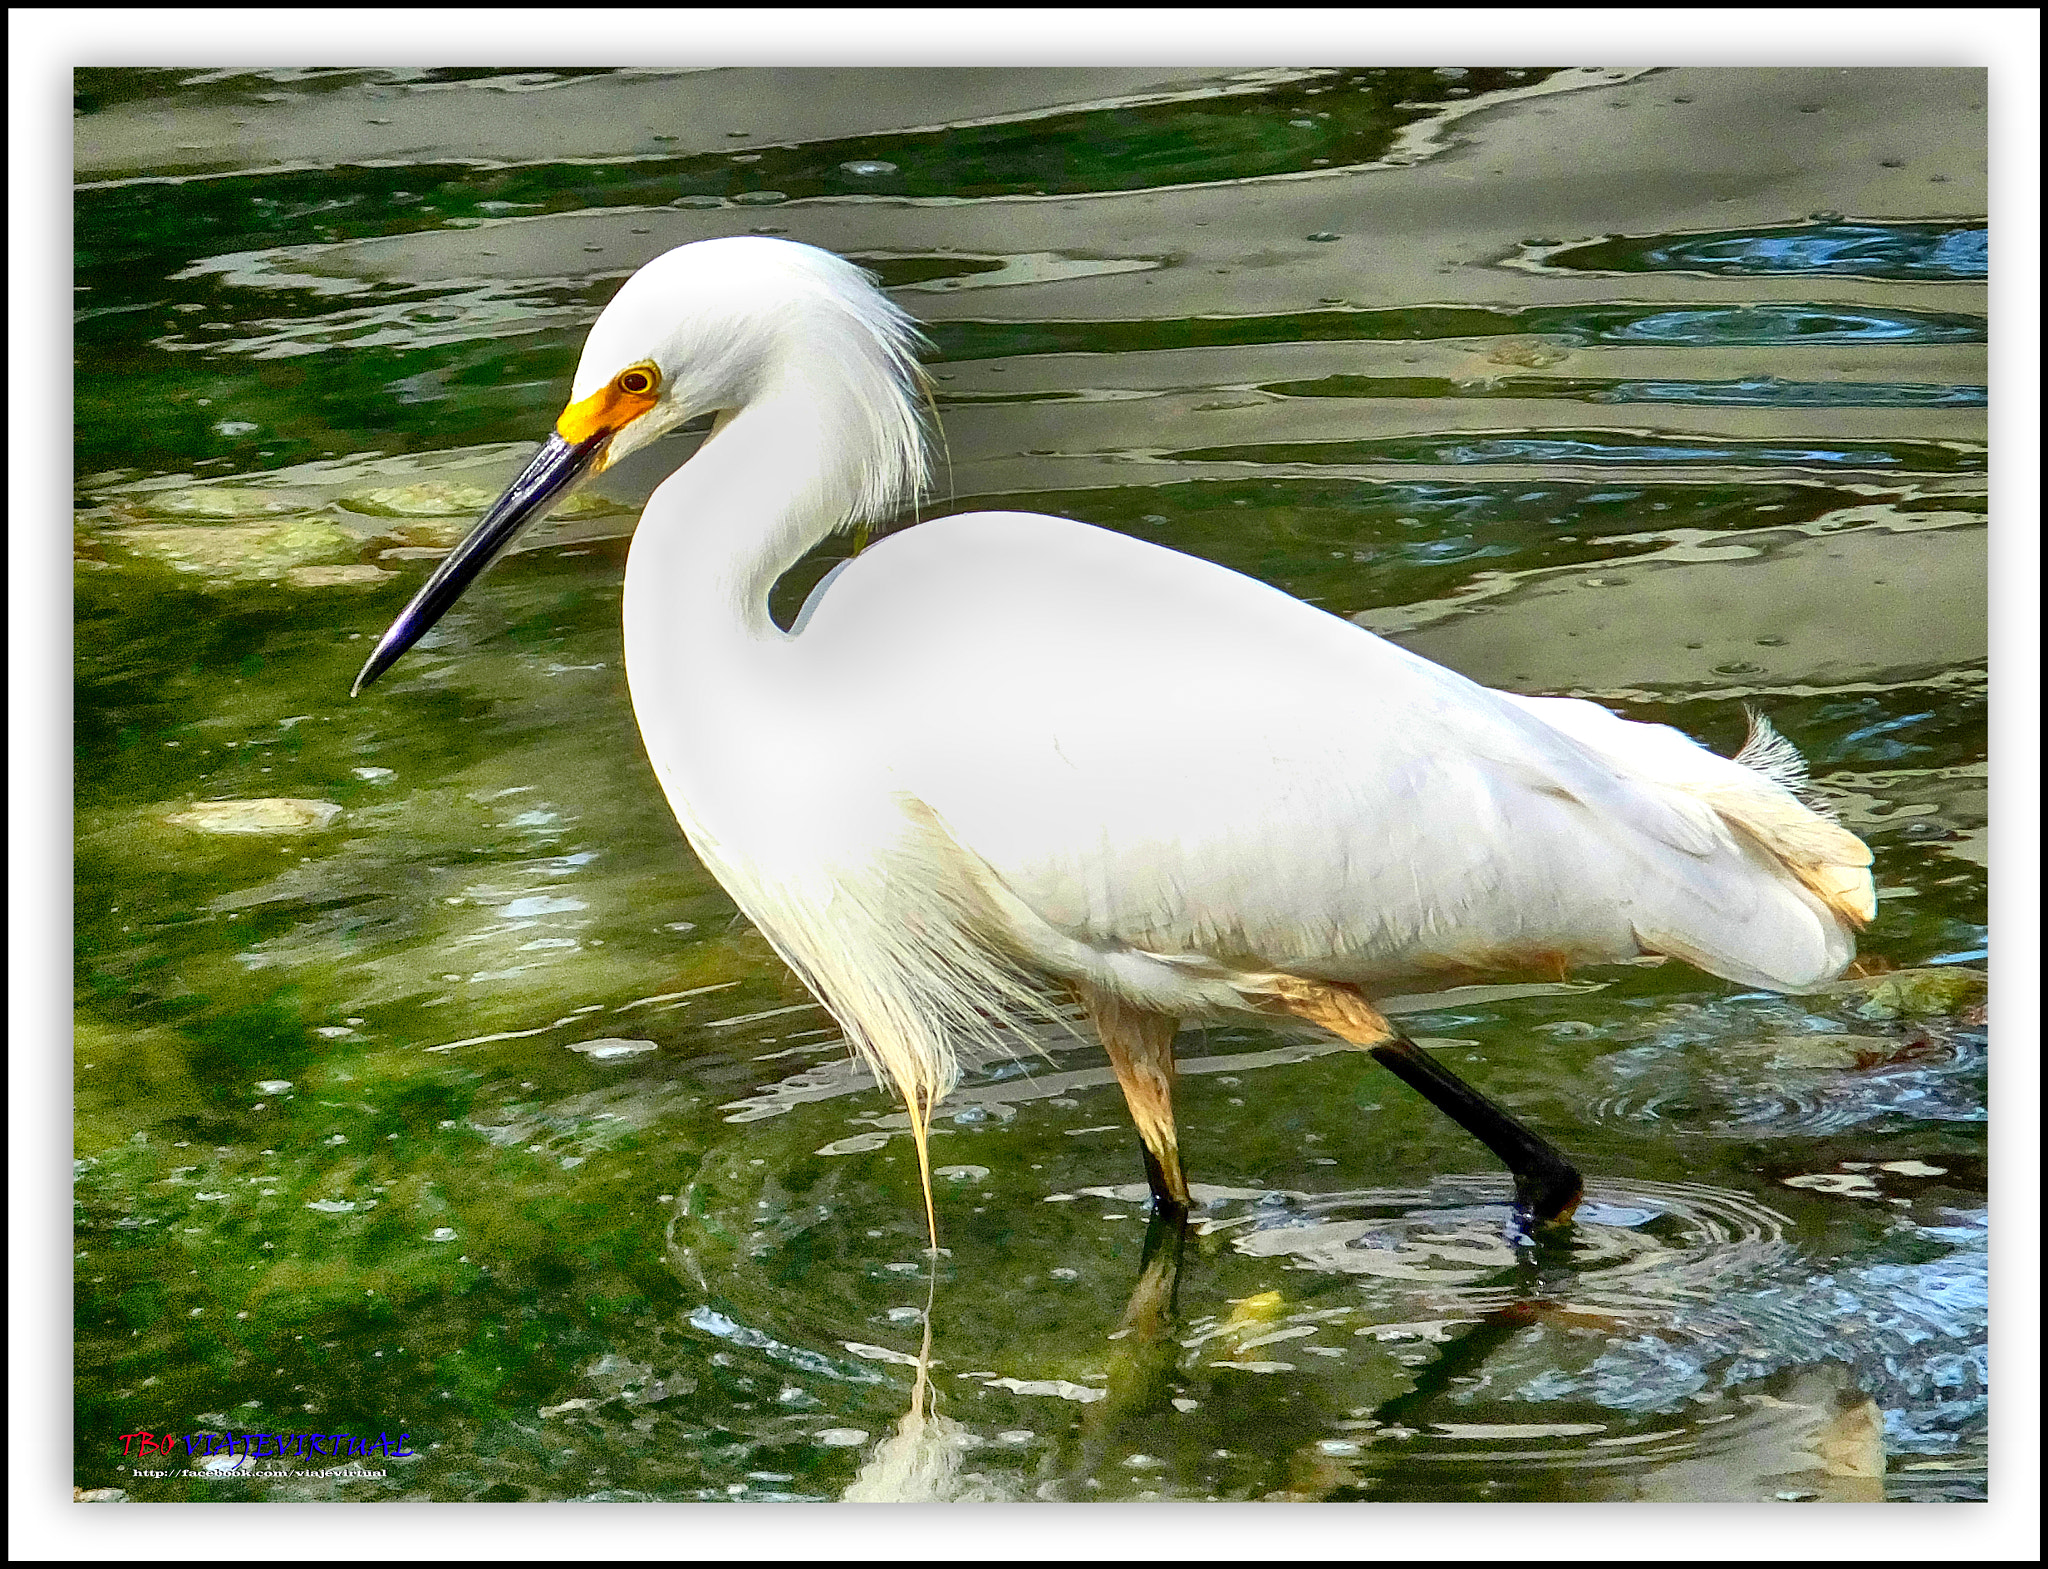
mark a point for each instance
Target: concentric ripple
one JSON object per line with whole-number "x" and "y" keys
{"x": 1799, "y": 1085}
{"x": 1634, "y": 1247}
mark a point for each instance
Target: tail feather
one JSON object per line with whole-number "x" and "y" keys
{"x": 1819, "y": 851}
{"x": 1832, "y": 863}
{"x": 1763, "y": 793}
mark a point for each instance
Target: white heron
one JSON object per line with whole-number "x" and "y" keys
{"x": 1000, "y": 755}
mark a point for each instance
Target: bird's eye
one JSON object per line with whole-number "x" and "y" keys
{"x": 638, "y": 381}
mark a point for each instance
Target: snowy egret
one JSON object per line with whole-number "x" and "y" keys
{"x": 1001, "y": 755}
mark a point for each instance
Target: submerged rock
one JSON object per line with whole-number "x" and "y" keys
{"x": 1936, "y": 992}
{"x": 268, "y": 815}
{"x": 612, "y": 1049}
{"x": 1529, "y": 353}
{"x": 239, "y": 552}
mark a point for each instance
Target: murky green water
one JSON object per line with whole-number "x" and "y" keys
{"x": 459, "y": 1104}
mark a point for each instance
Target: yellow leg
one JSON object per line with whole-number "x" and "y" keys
{"x": 1341, "y": 1010}
{"x": 1140, "y": 1046}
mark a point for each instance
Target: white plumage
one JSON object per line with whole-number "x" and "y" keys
{"x": 1002, "y": 750}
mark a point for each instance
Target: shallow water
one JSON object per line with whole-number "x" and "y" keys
{"x": 454, "y": 1100}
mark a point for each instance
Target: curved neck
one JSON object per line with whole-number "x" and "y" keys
{"x": 702, "y": 653}
{"x": 830, "y": 433}
{"x": 758, "y": 494}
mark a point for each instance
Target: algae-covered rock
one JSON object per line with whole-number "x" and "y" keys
{"x": 1832, "y": 1051}
{"x": 454, "y": 498}
{"x": 436, "y": 534}
{"x": 351, "y": 574}
{"x": 239, "y": 552}
{"x": 267, "y": 815}
{"x": 221, "y": 501}
{"x": 588, "y": 504}
{"x": 431, "y": 498}
{"x": 1937, "y": 992}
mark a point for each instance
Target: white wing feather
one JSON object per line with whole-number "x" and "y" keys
{"x": 1152, "y": 754}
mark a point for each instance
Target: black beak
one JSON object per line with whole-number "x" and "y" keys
{"x": 555, "y": 470}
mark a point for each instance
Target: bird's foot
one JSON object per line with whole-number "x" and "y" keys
{"x": 1547, "y": 1193}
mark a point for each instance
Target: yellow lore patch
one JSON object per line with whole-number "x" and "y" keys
{"x": 612, "y": 407}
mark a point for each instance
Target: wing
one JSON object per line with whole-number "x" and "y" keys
{"x": 1152, "y": 752}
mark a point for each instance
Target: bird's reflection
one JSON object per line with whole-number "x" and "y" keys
{"x": 1144, "y": 1350}
{"x": 922, "y": 1461}
{"x": 925, "y": 1458}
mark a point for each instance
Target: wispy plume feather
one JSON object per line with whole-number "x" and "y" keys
{"x": 1778, "y": 760}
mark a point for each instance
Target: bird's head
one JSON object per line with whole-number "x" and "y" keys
{"x": 698, "y": 330}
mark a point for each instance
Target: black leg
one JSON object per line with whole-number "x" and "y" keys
{"x": 1165, "y": 1236}
{"x": 1547, "y": 1185}
{"x": 1168, "y": 1207}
